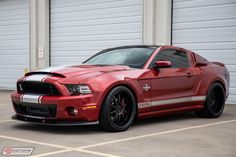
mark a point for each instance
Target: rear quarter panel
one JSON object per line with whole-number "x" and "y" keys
{"x": 213, "y": 73}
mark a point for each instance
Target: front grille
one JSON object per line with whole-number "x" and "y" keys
{"x": 37, "y": 88}
{"x": 40, "y": 110}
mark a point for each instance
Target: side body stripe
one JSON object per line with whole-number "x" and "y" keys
{"x": 171, "y": 101}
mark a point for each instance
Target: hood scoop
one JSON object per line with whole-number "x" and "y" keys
{"x": 46, "y": 73}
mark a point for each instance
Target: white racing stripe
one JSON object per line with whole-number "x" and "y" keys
{"x": 46, "y": 78}
{"x": 30, "y": 98}
{"x": 42, "y": 77}
{"x": 40, "y": 98}
{"x": 171, "y": 101}
{"x": 37, "y": 77}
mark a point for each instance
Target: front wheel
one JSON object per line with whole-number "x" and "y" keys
{"x": 118, "y": 110}
{"x": 215, "y": 102}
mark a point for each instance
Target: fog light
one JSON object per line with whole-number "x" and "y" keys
{"x": 71, "y": 111}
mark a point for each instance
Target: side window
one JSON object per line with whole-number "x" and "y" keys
{"x": 179, "y": 59}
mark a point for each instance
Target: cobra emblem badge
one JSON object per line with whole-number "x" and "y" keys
{"x": 146, "y": 87}
{"x": 20, "y": 86}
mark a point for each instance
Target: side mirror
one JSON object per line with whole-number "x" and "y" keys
{"x": 163, "y": 64}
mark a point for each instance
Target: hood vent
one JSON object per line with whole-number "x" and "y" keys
{"x": 49, "y": 73}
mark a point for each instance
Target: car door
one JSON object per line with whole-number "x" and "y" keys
{"x": 171, "y": 85}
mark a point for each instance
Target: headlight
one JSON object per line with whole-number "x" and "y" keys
{"x": 78, "y": 89}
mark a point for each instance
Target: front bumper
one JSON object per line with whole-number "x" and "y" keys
{"x": 52, "y": 109}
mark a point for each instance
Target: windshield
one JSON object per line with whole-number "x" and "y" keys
{"x": 133, "y": 57}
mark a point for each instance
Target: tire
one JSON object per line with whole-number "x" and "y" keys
{"x": 118, "y": 110}
{"x": 215, "y": 102}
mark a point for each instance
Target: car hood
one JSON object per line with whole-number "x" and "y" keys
{"x": 64, "y": 74}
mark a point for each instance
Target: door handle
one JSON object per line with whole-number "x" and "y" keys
{"x": 189, "y": 74}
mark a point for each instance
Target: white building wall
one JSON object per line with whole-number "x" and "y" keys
{"x": 14, "y": 41}
{"x": 81, "y": 28}
{"x": 209, "y": 29}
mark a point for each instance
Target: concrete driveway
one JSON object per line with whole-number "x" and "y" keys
{"x": 183, "y": 135}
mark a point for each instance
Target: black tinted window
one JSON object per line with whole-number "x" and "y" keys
{"x": 179, "y": 59}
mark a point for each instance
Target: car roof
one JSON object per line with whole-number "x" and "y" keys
{"x": 145, "y": 46}
{"x": 134, "y": 46}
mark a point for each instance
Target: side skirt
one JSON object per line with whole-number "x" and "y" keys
{"x": 169, "y": 111}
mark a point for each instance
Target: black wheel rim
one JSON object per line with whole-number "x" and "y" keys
{"x": 120, "y": 109}
{"x": 216, "y": 100}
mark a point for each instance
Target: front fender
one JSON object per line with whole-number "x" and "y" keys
{"x": 103, "y": 84}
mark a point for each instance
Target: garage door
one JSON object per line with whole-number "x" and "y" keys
{"x": 14, "y": 41}
{"x": 208, "y": 28}
{"x": 81, "y": 28}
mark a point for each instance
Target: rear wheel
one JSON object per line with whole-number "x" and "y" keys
{"x": 118, "y": 110}
{"x": 215, "y": 102}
